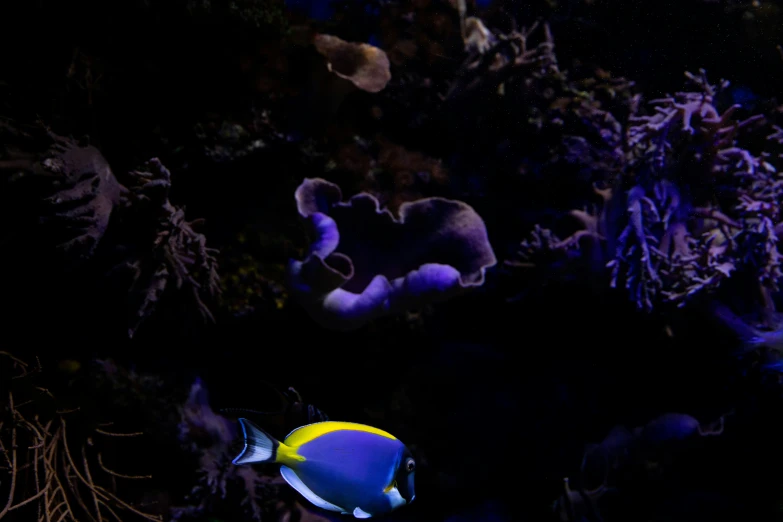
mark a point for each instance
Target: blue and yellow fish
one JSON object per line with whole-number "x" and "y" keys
{"x": 340, "y": 466}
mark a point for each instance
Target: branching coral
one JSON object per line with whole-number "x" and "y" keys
{"x": 684, "y": 202}
{"x": 55, "y": 464}
{"x": 172, "y": 251}
{"x": 212, "y": 438}
{"x": 489, "y": 65}
{"x": 721, "y": 213}
{"x": 69, "y": 187}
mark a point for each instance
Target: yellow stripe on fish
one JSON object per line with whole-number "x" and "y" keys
{"x": 308, "y": 433}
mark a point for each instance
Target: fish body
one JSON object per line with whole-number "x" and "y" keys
{"x": 339, "y": 466}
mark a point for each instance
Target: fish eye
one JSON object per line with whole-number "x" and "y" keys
{"x": 410, "y": 465}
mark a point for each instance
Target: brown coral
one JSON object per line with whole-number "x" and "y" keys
{"x": 79, "y": 188}
{"x": 49, "y": 473}
{"x": 364, "y": 65}
{"x": 176, "y": 253}
{"x": 392, "y": 173}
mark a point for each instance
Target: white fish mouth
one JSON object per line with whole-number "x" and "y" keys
{"x": 396, "y": 499}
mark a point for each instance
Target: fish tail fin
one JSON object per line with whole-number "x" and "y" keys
{"x": 747, "y": 335}
{"x": 259, "y": 445}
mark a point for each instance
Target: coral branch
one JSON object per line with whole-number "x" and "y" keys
{"x": 120, "y": 475}
{"x": 700, "y": 205}
{"x": 176, "y": 257}
{"x": 42, "y": 473}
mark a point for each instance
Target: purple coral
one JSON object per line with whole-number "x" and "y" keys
{"x": 210, "y": 436}
{"x": 686, "y": 202}
{"x": 728, "y": 221}
{"x": 613, "y": 462}
{"x": 364, "y": 263}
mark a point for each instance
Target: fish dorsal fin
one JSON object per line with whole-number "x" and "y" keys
{"x": 360, "y": 513}
{"x": 301, "y": 427}
{"x": 305, "y": 434}
{"x": 295, "y": 482}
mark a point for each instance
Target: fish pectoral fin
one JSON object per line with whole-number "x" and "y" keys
{"x": 360, "y": 513}
{"x": 295, "y": 482}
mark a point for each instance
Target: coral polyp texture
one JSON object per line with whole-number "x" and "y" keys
{"x": 364, "y": 263}
{"x": 689, "y": 197}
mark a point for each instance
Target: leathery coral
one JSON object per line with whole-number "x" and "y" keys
{"x": 364, "y": 65}
{"x": 78, "y": 188}
{"x": 364, "y": 263}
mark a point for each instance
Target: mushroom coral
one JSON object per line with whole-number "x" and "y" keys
{"x": 364, "y": 263}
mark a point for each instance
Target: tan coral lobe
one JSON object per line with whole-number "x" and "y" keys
{"x": 364, "y": 65}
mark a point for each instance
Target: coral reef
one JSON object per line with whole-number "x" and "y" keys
{"x": 487, "y": 67}
{"x": 625, "y": 456}
{"x": 78, "y": 189}
{"x": 704, "y": 231}
{"x": 364, "y": 263}
{"x": 225, "y": 141}
{"x": 262, "y": 14}
{"x": 392, "y": 173}
{"x": 222, "y": 487}
{"x": 678, "y": 202}
{"x": 170, "y": 252}
{"x": 57, "y": 463}
{"x": 87, "y": 216}
{"x": 247, "y": 288}
{"x": 640, "y": 204}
